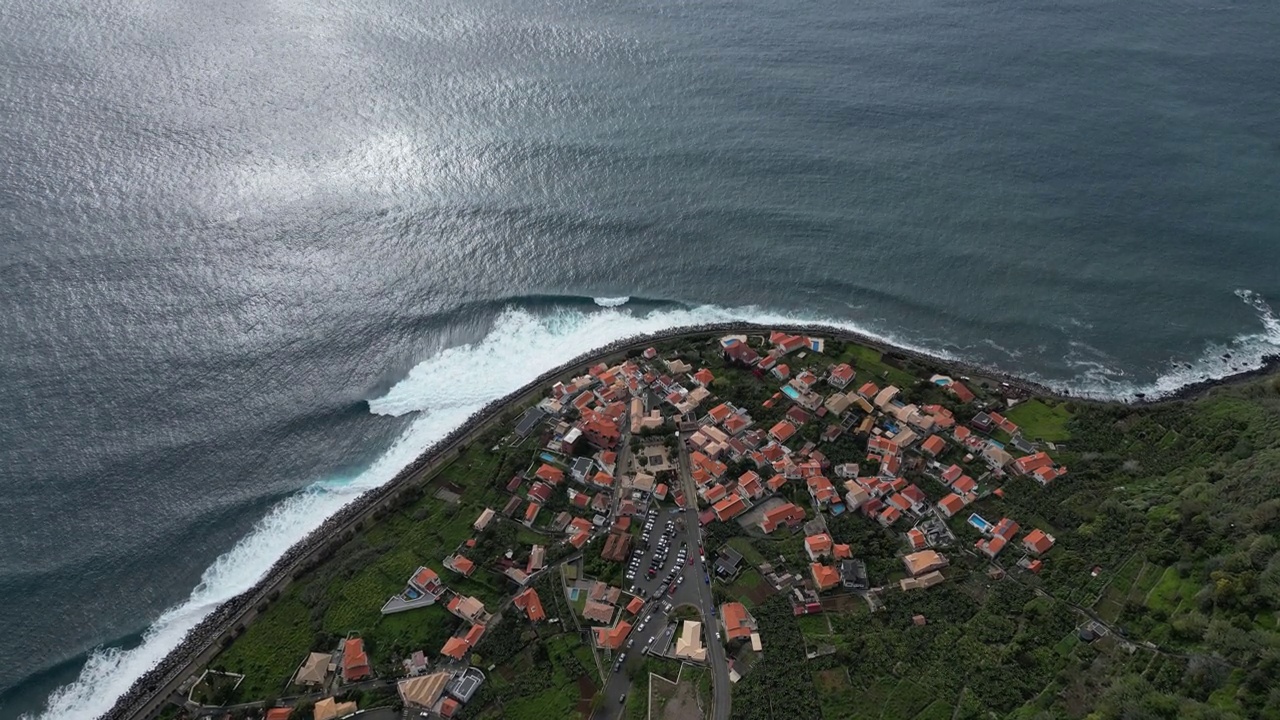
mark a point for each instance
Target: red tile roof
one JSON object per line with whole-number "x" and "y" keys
{"x": 824, "y": 576}
{"x": 355, "y": 662}
{"x": 551, "y": 474}
{"x": 529, "y": 601}
{"x": 782, "y": 431}
{"x": 729, "y": 508}
{"x": 1037, "y": 541}
{"x": 933, "y": 445}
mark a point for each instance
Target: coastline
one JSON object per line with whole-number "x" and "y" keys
{"x": 149, "y": 692}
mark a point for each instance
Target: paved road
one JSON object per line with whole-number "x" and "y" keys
{"x": 715, "y": 648}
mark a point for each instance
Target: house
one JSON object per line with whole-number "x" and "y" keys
{"x": 423, "y": 692}
{"x": 468, "y": 608}
{"x": 512, "y": 505}
{"x": 841, "y": 375}
{"x": 797, "y": 416}
{"x": 355, "y": 661}
{"x": 933, "y": 445}
{"x": 805, "y": 380}
{"x": 889, "y": 516}
{"x": 991, "y": 547}
{"x": 825, "y": 577}
{"x": 611, "y": 638}
{"x": 597, "y": 611}
{"x": 785, "y": 514}
{"x": 853, "y": 575}
{"x": 919, "y": 563}
{"x": 818, "y": 546}
{"x": 601, "y": 432}
{"x": 750, "y": 484}
{"x": 537, "y": 559}
{"x": 885, "y": 397}
{"x": 689, "y": 645}
{"x": 550, "y": 474}
{"x": 927, "y": 580}
{"x": 961, "y": 433}
{"x": 579, "y": 532}
{"x": 602, "y": 479}
{"x": 460, "y": 564}
{"x": 781, "y": 371}
{"x": 952, "y": 474}
{"x": 458, "y": 646}
{"x": 729, "y": 508}
{"x": 531, "y": 513}
{"x": 962, "y": 393}
{"x": 964, "y": 485}
{"x": 868, "y": 390}
{"x": 822, "y": 491}
{"x": 782, "y": 431}
{"x": 540, "y": 493}
{"x": 996, "y": 456}
{"x": 714, "y": 493}
{"x": 703, "y": 377}
{"x": 1006, "y": 529}
{"x": 951, "y": 504}
{"x": 482, "y": 522}
{"x": 916, "y": 539}
{"x": 841, "y": 551}
{"x": 1037, "y": 542}
{"x": 328, "y": 709}
{"x": 736, "y": 622}
{"x": 314, "y": 670}
{"x": 727, "y": 561}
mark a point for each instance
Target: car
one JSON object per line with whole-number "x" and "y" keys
{"x": 672, "y": 591}
{"x": 631, "y": 642}
{"x": 622, "y": 698}
{"x": 691, "y": 561}
{"x": 706, "y": 579}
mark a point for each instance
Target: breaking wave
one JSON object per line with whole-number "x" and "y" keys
{"x": 606, "y": 302}
{"x": 1244, "y": 353}
{"x": 443, "y": 390}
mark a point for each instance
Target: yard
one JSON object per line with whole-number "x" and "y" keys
{"x": 1041, "y": 421}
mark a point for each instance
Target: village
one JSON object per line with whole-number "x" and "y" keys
{"x": 655, "y": 502}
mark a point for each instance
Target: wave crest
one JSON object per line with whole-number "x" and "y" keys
{"x": 607, "y": 302}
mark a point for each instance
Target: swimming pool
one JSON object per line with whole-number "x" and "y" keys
{"x": 982, "y": 525}
{"x": 791, "y": 392}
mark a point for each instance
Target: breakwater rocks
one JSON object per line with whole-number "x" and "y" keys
{"x": 149, "y": 693}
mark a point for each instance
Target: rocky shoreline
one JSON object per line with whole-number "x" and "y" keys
{"x": 147, "y": 694}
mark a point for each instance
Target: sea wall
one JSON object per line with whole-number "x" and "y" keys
{"x": 150, "y": 692}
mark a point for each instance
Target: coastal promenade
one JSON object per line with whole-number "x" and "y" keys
{"x": 152, "y": 691}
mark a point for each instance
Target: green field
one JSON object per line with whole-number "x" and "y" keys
{"x": 1041, "y": 421}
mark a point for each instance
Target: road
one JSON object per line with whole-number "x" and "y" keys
{"x": 715, "y": 649}
{"x": 654, "y": 629}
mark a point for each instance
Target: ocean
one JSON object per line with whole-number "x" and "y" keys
{"x": 256, "y": 256}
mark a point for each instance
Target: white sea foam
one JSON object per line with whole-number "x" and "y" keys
{"x": 607, "y": 302}
{"x": 447, "y": 388}
{"x": 1246, "y": 352}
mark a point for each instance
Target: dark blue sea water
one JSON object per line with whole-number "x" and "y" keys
{"x": 255, "y": 256}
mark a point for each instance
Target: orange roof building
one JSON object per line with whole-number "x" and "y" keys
{"x": 460, "y": 564}
{"x": 531, "y": 604}
{"x": 551, "y": 474}
{"x": 729, "y": 508}
{"x": 782, "y": 431}
{"x": 278, "y": 714}
{"x": 355, "y": 661}
{"x": 933, "y": 445}
{"x": 951, "y": 504}
{"x": 824, "y": 576}
{"x": 736, "y": 621}
{"x": 841, "y": 551}
{"x": 916, "y": 539}
{"x": 611, "y": 638}
{"x": 919, "y": 563}
{"x": 785, "y": 514}
{"x": 1038, "y": 541}
{"x": 818, "y": 545}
